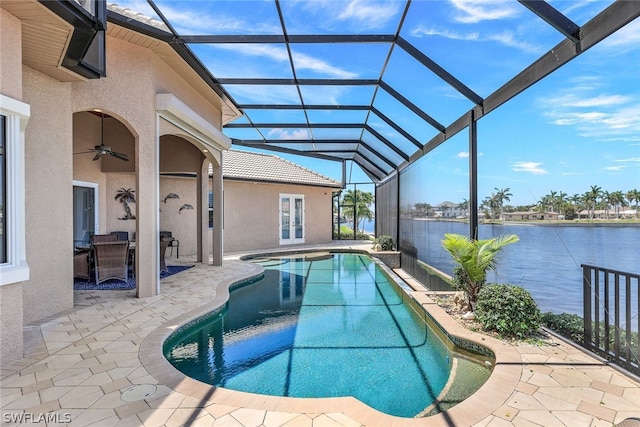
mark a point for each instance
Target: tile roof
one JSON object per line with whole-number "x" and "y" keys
{"x": 245, "y": 165}
{"x": 137, "y": 16}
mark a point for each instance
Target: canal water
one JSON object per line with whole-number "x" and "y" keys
{"x": 546, "y": 261}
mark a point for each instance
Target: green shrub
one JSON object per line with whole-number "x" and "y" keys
{"x": 385, "y": 241}
{"x": 568, "y": 325}
{"x": 347, "y": 234}
{"x": 507, "y": 309}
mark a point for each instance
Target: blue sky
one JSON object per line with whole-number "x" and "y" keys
{"x": 577, "y": 128}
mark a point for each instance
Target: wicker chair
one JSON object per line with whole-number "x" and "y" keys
{"x": 100, "y": 238}
{"x": 164, "y": 243}
{"x": 173, "y": 242}
{"x": 110, "y": 260}
{"x": 81, "y": 265}
{"x": 122, "y": 235}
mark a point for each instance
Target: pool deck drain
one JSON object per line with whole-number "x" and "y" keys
{"x": 84, "y": 362}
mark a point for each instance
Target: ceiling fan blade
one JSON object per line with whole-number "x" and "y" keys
{"x": 119, "y": 156}
{"x": 97, "y": 156}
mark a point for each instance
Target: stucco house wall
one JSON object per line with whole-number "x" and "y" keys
{"x": 251, "y": 214}
{"x": 11, "y": 305}
{"x": 182, "y": 224}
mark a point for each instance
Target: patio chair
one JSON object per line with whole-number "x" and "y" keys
{"x": 122, "y": 235}
{"x": 81, "y": 265}
{"x": 173, "y": 242}
{"x": 164, "y": 243}
{"x": 111, "y": 260}
{"x": 101, "y": 238}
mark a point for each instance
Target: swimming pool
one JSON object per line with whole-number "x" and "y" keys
{"x": 321, "y": 325}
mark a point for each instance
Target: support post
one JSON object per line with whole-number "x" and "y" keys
{"x": 473, "y": 176}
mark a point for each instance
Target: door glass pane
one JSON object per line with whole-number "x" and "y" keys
{"x": 83, "y": 214}
{"x": 3, "y": 194}
{"x": 285, "y": 213}
{"x": 298, "y": 218}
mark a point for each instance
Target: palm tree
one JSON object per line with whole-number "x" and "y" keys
{"x": 422, "y": 209}
{"x": 633, "y": 196}
{"x": 126, "y": 196}
{"x": 608, "y": 202}
{"x": 355, "y": 205}
{"x": 464, "y": 206}
{"x": 591, "y": 199}
{"x": 490, "y": 205}
{"x": 501, "y": 196}
{"x": 551, "y": 199}
{"x": 617, "y": 201}
{"x": 474, "y": 258}
{"x": 561, "y": 199}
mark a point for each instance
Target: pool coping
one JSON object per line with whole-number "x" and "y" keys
{"x": 493, "y": 394}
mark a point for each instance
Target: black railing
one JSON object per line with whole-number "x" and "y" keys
{"x": 610, "y": 304}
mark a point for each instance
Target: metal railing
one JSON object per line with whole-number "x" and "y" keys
{"x": 610, "y": 304}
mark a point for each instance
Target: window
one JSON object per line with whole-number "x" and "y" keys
{"x": 13, "y": 121}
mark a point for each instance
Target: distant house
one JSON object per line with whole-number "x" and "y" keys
{"x": 449, "y": 210}
{"x": 271, "y": 202}
{"x": 530, "y": 216}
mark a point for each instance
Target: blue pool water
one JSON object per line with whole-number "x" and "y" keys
{"x": 319, "y": 326}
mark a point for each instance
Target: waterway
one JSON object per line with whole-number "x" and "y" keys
{"x": 546, "y": 261}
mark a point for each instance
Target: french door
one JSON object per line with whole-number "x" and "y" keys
{"x": 291, "y": 219}
{"x": 85, "y": 216}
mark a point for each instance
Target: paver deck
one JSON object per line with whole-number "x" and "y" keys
{"x": 100, "y": 364}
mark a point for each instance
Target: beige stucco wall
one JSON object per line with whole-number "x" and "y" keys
{"x": 48, "y": 176}
{"x": 251, "y": 214}
{"x": 10, "y": 55}
{"x": 183, "y": 225}
{"x": 10, "y": 85}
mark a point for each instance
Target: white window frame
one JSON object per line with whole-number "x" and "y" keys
{"x": 17, "y": 115}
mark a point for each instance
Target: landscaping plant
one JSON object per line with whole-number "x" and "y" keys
{"x": 474, "y": 258}
{"x": 508, "y": 310}
{"x": 385, "y": 242}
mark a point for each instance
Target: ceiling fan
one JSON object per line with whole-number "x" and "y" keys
{"x": 102, "y": 149}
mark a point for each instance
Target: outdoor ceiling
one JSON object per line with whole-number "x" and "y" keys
{"x": 377, "y": 82}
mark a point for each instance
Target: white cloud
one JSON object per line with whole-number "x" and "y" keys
{"x": 421, "y": 31}
{"x": 616, "y": 168}
{"x": 593, "y": 111}
{"x": 506, "y": 38}
{"x": 473, "y": 11}
{"x": 199, "y": 20}
{"x": 289, "y": 133}
{"x": 630, "y": 159}
{"x": 573, "y": 100}
{"x": 306, "y": 62}
{"x": 279, "y": 54}
{"x": 369, "y": 15}
{"x": 256, "y": 94}
{"x": 463, "y": 155}
{"x": 625, "y": 39}
{"x": 530, "y": 167}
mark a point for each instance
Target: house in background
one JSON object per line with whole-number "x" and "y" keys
{"x": 530, "y": 216}
{"x": 271, "y": 202}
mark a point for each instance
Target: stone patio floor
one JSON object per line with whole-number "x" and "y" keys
{"x": 100, "y": 364}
